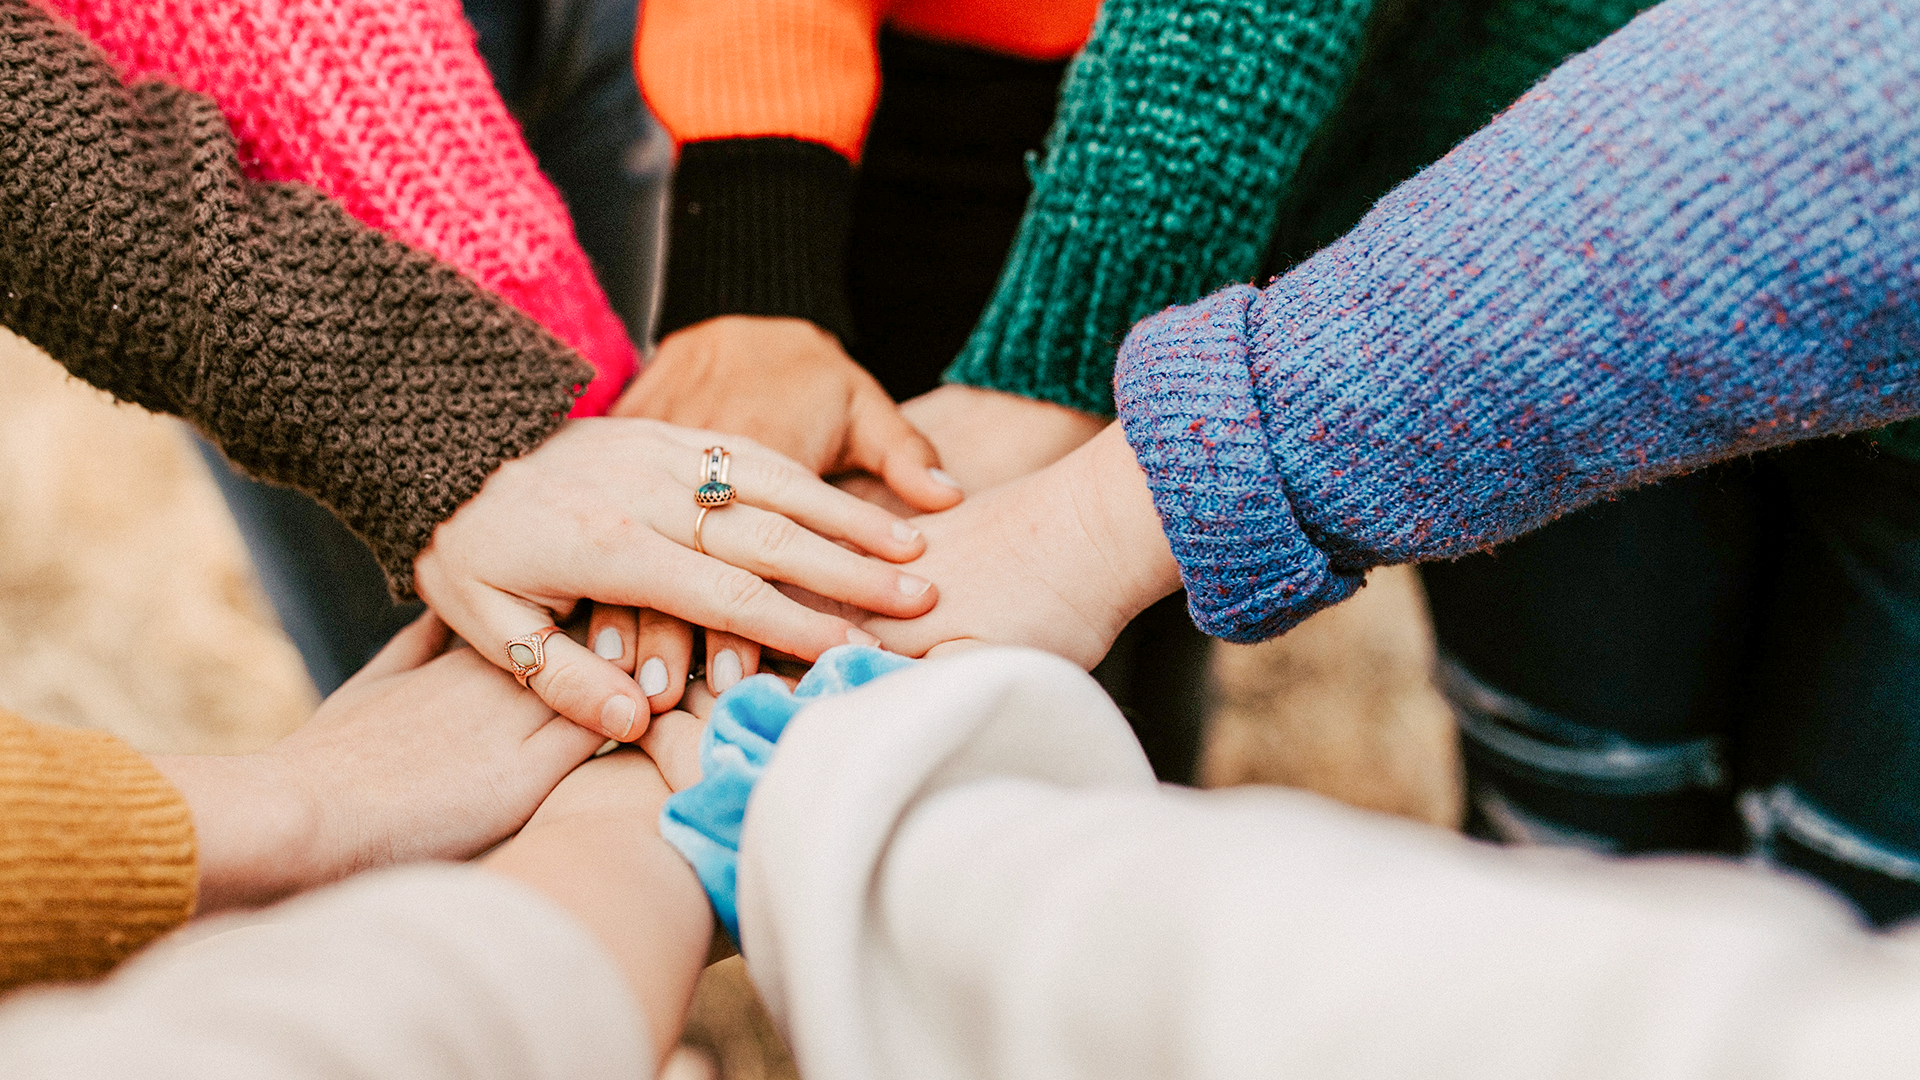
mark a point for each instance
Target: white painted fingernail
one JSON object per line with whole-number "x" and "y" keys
{"x": 940, "y": 477}
{"x": 861, "y": 637}
{"x": 607, "y": 646}
{"x": 905, "y": 533}
{"x": 724, "y": 671}
{"x": 911, "y": 586}
{"x": 616, "y": 717}
{"x": 653, "y": 676}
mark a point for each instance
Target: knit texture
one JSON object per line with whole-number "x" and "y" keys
{"x": 386, "y": 106}
{"x": 1180, "y": 127}
{"x": 97, "y": 853}
{"x": 810, "y": 69}
{"x": 1698, "y": 240}
{"x": 1432, "y": 74}
{"x": 759, "y": 227}
{"x": 314, "y": 351}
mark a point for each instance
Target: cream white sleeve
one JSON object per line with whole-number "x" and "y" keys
{"x": 966, "y": 870}
{"x": 426, "y": 973}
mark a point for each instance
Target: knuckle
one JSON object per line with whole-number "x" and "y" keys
{"x": 775, "y": 536}
{"x": 738, "y": 591}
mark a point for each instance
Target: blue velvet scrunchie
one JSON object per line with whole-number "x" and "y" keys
{"x": 703, "y": 822}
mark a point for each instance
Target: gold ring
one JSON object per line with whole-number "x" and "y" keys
{"x": 714, "y": 492}
{"x": 527, "y": 655}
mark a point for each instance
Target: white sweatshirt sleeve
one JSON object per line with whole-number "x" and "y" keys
{"x": 966, "y": 870}
{"x": 426, "y": 973}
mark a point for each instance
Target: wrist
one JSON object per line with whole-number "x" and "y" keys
{"x": 1122, "y": 523}
{"x": 257, "y": 832}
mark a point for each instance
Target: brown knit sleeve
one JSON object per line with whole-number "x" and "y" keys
{"x": 316, "y": 352}
{"x": 96, "y": 853}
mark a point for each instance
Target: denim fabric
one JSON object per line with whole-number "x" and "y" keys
{"x": 1755, "y": 627}
{"x": 565, "y": 68}
{"x": 703, "y": 822}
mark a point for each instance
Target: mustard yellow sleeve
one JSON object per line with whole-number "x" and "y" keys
{"x": 97, "y": 853}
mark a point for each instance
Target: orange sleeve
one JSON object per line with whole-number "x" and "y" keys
{"x": 97, "y": 853}
{"x": 802, "y": 69}
{"x": 1030, "y": 29}
{"x": 810, "y": 69}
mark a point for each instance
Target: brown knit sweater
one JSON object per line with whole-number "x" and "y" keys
{"x": 314, "y": 351}
{"x": 96, "y": 853}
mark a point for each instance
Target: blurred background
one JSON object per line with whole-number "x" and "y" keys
{"x": 127, "y": 605}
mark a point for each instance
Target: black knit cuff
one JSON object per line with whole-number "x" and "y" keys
{"x": 759, "y": 227}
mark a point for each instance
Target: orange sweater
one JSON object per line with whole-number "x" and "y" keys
{"x": 810, "y": 69}
{"x": 97, "y": 853}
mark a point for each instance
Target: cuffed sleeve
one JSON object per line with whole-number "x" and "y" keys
{"x": 1695, "y": 241}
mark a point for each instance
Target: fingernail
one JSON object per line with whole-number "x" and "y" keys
{"x": 607, "y": 646}
{"x": 911, "y": 586}
{"x": 724, "y": 671}
{"x": 940, "y": 477}
{"x": 905, "y": 533}
{"x": 616, "y": 717}
{"x": 861, "y": 637}
{"x": 653, "y": 676}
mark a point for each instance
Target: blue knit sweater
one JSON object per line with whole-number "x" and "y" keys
{"x": 1697, "y": 240}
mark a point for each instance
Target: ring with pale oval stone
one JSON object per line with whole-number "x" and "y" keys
{"x": 527, "y": 655}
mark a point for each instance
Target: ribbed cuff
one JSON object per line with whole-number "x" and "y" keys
{"x": 759, "y": 227}
{"x": 1184, "y": 387}
{"x": 97, "y": 853}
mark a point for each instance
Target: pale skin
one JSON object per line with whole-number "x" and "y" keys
{"x": 604, "y": 511}
{"x": 419, "y": 756}
{"x": 1060, "y": 560}
{"x": 793, "y": 387}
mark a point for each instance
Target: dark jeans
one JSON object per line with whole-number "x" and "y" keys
{"x": 565, "y": 68}
{"x": 1726, "y": 662}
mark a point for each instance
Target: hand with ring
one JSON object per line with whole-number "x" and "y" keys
{"x": 610, "y": 511}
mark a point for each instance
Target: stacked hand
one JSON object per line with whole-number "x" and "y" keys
{"x": 605, "y": 511}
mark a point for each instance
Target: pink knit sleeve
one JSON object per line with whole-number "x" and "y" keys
{"x": 386, "y": 106}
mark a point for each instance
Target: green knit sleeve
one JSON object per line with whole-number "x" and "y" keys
{"x": 1180, "y": 126}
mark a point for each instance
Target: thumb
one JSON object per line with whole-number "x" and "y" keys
{"x": 880, "y": 441}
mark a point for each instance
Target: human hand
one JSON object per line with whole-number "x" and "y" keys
{"x": 419, "y": 756}
{"x": 604, "y": 511}
{"x": 986, "y": 438}
{"x": 790, "y": 386}
{"x": 1061, "y": 560}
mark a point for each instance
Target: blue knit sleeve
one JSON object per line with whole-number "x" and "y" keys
{"x": 1697, "y": 240}
{"x": 703, "y": 822}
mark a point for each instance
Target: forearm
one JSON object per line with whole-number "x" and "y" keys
{"x": 430, "y": 973}
{"x": 635, "y": 894}
{"x": 385, "y": 106}
{"x": 1052, "y": 912}
{"x": 315, "y": 352}
{"x": 1668, "y": 253}
{"x": 1231, "y": 91}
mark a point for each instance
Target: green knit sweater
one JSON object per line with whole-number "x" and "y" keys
{"x": 1176, "y": 158}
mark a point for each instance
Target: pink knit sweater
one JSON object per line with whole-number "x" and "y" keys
{"x": 386, "y": 106}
